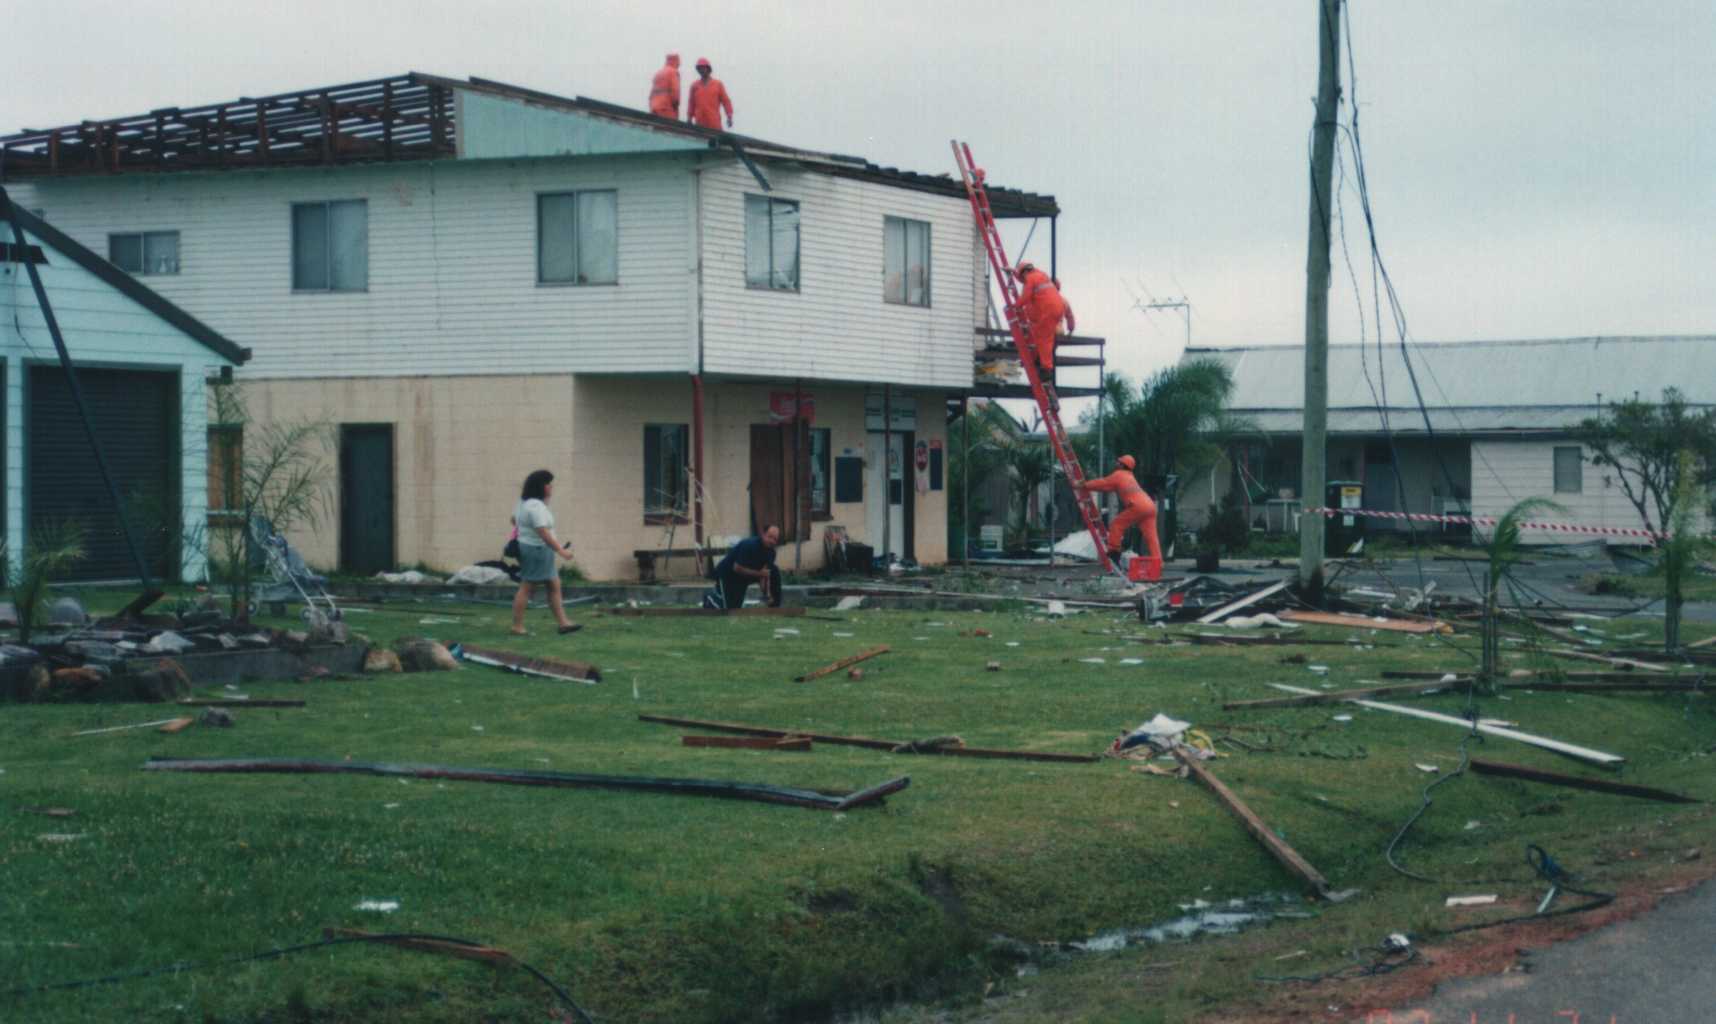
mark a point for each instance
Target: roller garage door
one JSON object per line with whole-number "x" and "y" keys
{"x": 136, "y": 416}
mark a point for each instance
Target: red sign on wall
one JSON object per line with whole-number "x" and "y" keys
{"x": 785, "y": 407}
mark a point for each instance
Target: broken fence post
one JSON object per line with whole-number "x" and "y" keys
{"x": 1277, "y": 847}
{"x": 842, "y": 663}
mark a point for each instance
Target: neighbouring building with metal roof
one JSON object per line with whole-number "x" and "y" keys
{"x": 700, "y": 332}
{"x": 1472, "y": 426}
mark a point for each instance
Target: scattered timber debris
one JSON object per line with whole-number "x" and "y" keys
{"x": 124, "y": 728}
{"x": 177, "y": 725}
{"x": 842, "y": 663}
{"x": 1244, "y": 602}
{"x": 799, "y": 743}
{"x": 868, "y": 742}
{"x": 1288, "y": 857}
{"x": 525, "y": 665}
{"x": 762, "y": 792}
{"x": 930, "y": 744}
{"x": 1572, "y": 750}
{"x": 1363, "y": 622}
{"x": 240, "y": 702}
{"x": 1516, "y": 771}
{"x": 482, "y": 954}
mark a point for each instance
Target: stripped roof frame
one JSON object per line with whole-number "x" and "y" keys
{"x": 403, "y": 117}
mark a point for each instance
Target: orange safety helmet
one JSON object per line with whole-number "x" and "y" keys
{"x": 703, "y": 62}
{"x": 1024, "y": 267}
{"x": 1128, "y": 461}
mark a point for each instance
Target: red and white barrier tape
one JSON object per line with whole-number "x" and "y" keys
{"x": 1425, "y": 517}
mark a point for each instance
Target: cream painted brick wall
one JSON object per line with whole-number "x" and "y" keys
{"x": 462, "y": 447}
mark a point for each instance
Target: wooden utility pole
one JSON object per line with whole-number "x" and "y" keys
{"x": 1313, "y": 471}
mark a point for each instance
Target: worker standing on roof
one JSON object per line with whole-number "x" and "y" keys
{"x": 708, "y": 98}
{"x": 1041, "y": 309}
{"x": 1136, "y": 507}
{"x": 664, "y": 90}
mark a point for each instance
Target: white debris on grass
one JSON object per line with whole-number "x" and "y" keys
{"x": 62, "y": 837}
{"x": 1132, "y": 661}
{"x": 1430, "y": 768}
{"x": 1094, "y": 661}
{"x": 843, "y": 634}
{"x": 847, "y": 604}
{"x": 1343, "y": 718}
{"x": 1470, "y": 901}
{"x": 377, "y": 906}
{"x": 785, "y": 631}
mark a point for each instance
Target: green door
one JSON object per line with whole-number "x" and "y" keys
{"x": 366, "y": 498}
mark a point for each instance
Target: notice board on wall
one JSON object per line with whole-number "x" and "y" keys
{"x": 849, "y": 478}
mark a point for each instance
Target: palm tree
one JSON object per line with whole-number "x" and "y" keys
{"x": 1503, "y": 553}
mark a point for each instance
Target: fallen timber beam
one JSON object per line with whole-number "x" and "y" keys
{"x": 868, "y": 742}
{"x": 1580, "y": 682}
{"x": 573, "y": 780}
{"x": 1337, "y": 696}
{"x": 123, "y": 728}
{"x": 231, "y": 702}
{"x": 1606, "y": 660}
{"x": 1287, "y": 856}
{"x": 1571, "y": 750}
{"x": 1250, "y": 599}
{"x": 525, "y": 665}
{"x": 1518, "y": 771}
{"x": 842, "y": 663}
{"x": 748, "y": 742}
{"x": 1361, "y": 622}
{"x": 764, "y": 612}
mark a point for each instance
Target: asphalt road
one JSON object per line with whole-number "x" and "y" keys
{"x": 1654, "y": 969}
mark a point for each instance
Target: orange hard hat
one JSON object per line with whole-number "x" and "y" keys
{"x": 1024, "y": 265}
{"x": 703, "y": 62}
{"x": 1128, "y": 461}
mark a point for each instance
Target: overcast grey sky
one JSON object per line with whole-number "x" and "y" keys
{"x": 1538, "y": 168}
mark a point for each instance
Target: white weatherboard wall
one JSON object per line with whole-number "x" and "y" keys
{"x": 106, "y": 328}
{"x": 452, "y": 265}
{"x": 1504, "y": 472}
{"x": 836, "y": 326}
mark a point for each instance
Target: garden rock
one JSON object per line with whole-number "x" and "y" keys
{"x": 67, "y": 611}
{"x": 421, "y": 654}
{"x": 163, "y": 681}
{"x": 76, "y": 682}
{"x": 326, "y": 632}
{"x": 168, "y": 642}
{"x": 217, "y": 717}
{"x": 380, "y": 659}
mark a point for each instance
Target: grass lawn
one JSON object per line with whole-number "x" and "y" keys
{"x": 658, "y": 907}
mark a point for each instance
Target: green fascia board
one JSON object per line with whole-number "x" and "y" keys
{"x": 495, "y": 128}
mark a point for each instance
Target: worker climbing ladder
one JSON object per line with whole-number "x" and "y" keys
{"x": 975, "y": 191}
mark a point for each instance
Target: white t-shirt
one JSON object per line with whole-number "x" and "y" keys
{"x": 531, "y": 513}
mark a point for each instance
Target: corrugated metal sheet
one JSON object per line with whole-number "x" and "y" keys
{"x": 1470, "y": 387}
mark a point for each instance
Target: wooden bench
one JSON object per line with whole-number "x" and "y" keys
{"x": 646, "y": 560}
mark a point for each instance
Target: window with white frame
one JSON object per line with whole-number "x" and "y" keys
{"x": 577, "y": 238}
{"x": 905, "y": 261}
{"x": 771, "y": 243}
{"x": 1569, "y": 470}
{"x": 145, "y": 252}
{"x": 667, "y": 475}
{"x": 330, "y": 246}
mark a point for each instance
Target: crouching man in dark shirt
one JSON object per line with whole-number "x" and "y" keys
{"x": 752, "y": 560}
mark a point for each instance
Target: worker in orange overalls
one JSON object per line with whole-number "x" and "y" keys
{"x": 708, "y": 98}
{"x": 1042, "y": 309}
{"x": 1136, "y": 507}
{"x": 664, "y": 90}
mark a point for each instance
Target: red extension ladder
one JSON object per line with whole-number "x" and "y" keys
{"x": 972, "y": 175}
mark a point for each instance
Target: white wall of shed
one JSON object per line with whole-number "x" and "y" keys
{"x": 836, "y": 326}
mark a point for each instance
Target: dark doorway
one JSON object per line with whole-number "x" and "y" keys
{"x": 136, "y": 415}
{"x": 366, "y": 498}
{"x": 780, "y": 478}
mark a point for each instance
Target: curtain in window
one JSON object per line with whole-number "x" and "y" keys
{"x": 598, "y": 236}
{"x": 917, "y": 262}
{"x": 784, "y": 244}
{"x": 161, "y": 252}
{"x": 893, "y": 259}
{"x": 757, "y": 242}
{"x": 555, "y": 252}
{"x": 310, "y": 247}
{"x": 348, "y": 245}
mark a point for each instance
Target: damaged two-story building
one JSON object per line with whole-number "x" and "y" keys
{"x": 699, "y": 333}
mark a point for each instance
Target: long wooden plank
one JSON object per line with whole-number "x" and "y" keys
{"x": 1277, "y": 847}
{"x": 1570, "y": 749}
{"x": 759, "y": 612}
{"x": 558, "y": 669}
{"x": 484, "y": 954}
{"x": 1519, "y": 771}
{"x": 1337, "y": 696}
{"x": 868, "y": 742}
{"x": 1228, "y": 609}
{"x": 762, "y": 792}
{"x": 123, "y": 728}
{"x": 1606, "y": 660}
{"x": 1361, "y": 622}
{"x": 230, "y": 702}
{"x": 1580, "y": 682}
{"x": 748, "y": 742}
{"x": 842, "y": 663}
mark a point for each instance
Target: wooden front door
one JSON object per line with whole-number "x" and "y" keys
{"x": 780, "y": 478}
